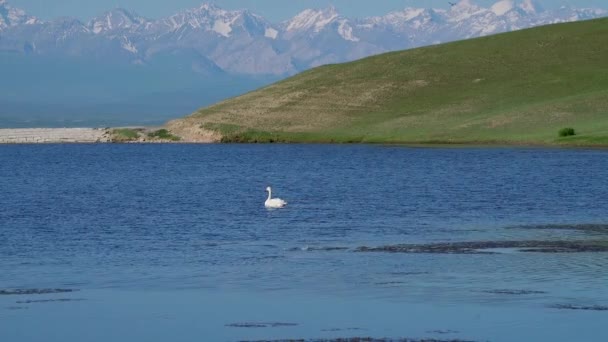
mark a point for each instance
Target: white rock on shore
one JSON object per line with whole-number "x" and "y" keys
{"x": 53, "y": 135}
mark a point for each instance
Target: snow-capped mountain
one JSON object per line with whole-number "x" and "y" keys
{"x": 311, "y": 20}
{"x": 209, "y": 18}
{"x": 210, "y": 39}
{"x": 317, "y": 37}
{"x": 10, "y": 16}
{"x": 115, "y": 20}
{"x": 239, "y": 42}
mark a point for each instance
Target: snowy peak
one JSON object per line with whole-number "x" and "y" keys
{"x": 10, "y": 16}
{"x": 253, "y": 25}
{"x": 213, "y": 19}
{"x": 345, "y": 30}
{"x": 409, "y": 14}
{"x": 531, "y": 7}
{"x": 398, "y": 17}
{"x": 241, "y": 42}
{"x": 63, "y": 29}
{"x": 502, "y": 7}
{"x": 313, "y": 19}
{"x": 525, "y": 7}
{"x": 209, "y": 7}
{"x": 409, "y": 17}
{"x": 464, "y": 6}
{"x": 210, "y": 10}
{"x": 464, "y": 10}
{"x": 116, "y": 19}
{"x": 207, "y": 17}
{"x": 566, "y": 14}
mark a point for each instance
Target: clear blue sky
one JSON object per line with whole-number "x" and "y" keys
{"x": 273, "y": 10}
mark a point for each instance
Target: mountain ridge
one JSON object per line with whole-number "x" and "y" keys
{"x": 241, "y": 42}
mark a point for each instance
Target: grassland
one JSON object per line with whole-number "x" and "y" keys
{"x": 515, "y": 88}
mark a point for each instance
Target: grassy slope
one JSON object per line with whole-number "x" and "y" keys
{"x": 519, "y": 87}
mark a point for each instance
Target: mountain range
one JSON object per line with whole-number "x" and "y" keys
{"x": 209, "y": 40}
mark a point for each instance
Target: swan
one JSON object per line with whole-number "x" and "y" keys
{"x": 274, "y": 203}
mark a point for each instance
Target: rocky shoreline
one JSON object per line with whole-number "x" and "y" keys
{"x": 54, "y": 135}
{"x": 87, "y": 135}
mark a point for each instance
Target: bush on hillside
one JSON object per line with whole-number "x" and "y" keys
{"x": 124, "y": 135}
{"x": 164, "y": 135}
{"x": 567, "y": 132}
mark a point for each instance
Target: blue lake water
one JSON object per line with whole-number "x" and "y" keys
{"x": 173, "y": 243}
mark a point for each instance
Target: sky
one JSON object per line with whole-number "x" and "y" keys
{"x": 273, "y": 10}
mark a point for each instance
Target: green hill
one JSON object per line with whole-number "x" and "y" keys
{"x": 516, "y": 88}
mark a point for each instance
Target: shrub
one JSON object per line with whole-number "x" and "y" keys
{"x": 164, "y": 135}
{"x": 567, "y": 132}
{"x": 124, "y": 134}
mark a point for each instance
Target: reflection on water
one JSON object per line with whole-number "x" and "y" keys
{"x": 173, "y": 243}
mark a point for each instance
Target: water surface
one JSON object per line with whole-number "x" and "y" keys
{"x": 172, "y": 242}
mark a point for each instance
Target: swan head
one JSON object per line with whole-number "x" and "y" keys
{"x": 268, "y": 189}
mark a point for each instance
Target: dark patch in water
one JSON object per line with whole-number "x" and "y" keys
{"x": 341, "y": 329}
{"x": 443, "y": 332}
{"x": 579, "y": 307}
{"x": 363, "y": 339}
{"x": 17, "y": 292}
{"x": 409, "y": 273}
{"x": 262, "y": 258}
{"x": 17, "y": 308}
{"x": 514, "y": 292}
{"x": 391, "y": 283}
{"x": 596, "y": 228}
{"x": 269, "y": 246}
{"x": 318, "y": 249}
{"x": 333, "y": 249}
{"x": 61, "y": 300}
{"x": 261, "y": 325}
{"x": 485, "y": 247}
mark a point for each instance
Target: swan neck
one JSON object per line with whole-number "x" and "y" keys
{"x": 269, "y": 194}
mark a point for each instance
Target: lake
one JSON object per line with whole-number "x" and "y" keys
{"x": 173, "y": 243}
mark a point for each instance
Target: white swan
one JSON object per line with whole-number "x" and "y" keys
{"x": 274, "y": 203}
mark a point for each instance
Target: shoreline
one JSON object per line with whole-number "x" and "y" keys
{"x": 10, "y": 136}
{"x": 85, "y": 135}
{"x": 146, "y": 135}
